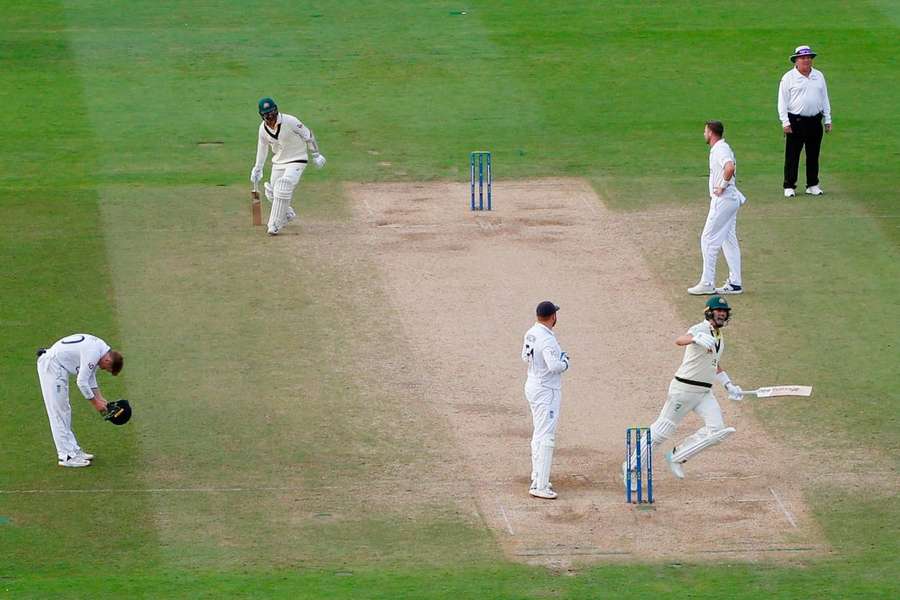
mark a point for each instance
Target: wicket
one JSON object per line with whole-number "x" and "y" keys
{"x": 639, "y": 433}
{"x": 483, "y": 158}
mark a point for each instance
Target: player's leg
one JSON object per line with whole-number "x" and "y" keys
{"x": 793, "y": 146}
{"x": 732, "y": 251}
{"x": 546, "y": 418}
{"x": 274, "y": 177}
{"x": 813, "y": 133}
{"x": 55, "y": 390}
{"x": 712, "y": 432}
{"x": 722, "y": 212}
{"x": 283, "y": 191}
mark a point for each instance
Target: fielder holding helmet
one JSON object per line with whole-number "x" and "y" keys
{"x": 291, "y": 142}
{"x": 79, "y": 354}
{"x": 691, "y": 390}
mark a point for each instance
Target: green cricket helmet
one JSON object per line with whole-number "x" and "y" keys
{"x": 266, "y": 106}
{"x": 716, "y": 303}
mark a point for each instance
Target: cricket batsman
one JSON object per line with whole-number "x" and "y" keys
{"x": 292, "y": 143}
{"x": 691, "y": 390}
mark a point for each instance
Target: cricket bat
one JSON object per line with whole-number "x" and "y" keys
{"x": 781, "y": 390}
{"x": 255, "y": 206}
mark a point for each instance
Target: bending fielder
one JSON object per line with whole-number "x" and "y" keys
{"x": 691, "y": 390}
{"x": 291, "y": 142}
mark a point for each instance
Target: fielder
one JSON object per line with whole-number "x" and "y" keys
{"x": 720, "y": 230}
{"x": 691, "y": 390}
{"x": 79, "y": 354}
{"x": 546, "y": 362}
{"x": 291, "y": 142}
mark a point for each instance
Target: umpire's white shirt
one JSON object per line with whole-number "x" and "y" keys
{"x": 78, "y": 354}
{"x": 802, "y": 95}
{"x": 541, "y": 351}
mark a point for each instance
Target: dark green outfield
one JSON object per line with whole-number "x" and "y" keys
{"x": 125, "y": 225}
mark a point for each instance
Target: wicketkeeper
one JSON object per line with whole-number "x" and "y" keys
{"x": 292, "y": 143}
{"x": 691, "y": 390}
{"x": 79, "y": 354}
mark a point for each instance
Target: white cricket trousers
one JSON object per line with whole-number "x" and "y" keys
{"x": 544, "y": 403}
{"x": 678, "y": 404}
{"x": 720, "y": 233}
{"x": 283, "y": 180}
{"x": 55, "y": 388}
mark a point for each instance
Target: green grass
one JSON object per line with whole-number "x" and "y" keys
{"x": 125, "y": 226}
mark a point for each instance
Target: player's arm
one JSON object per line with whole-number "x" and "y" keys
{"x": 783, "y": 98}
{"x": 527, "y": 350}
{"x": 262, "y": 152}
{"x": 98, "y": 400}
{"x": 734, "y": 391}
{"x": 826, "y": 108}
{"x": 684, "y": 340}
{"x": 556, "y": 360}
{"x": 307, "y": 136}
{"x": 728, "y": 172}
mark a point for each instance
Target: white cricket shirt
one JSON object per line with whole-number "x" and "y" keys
{"x": 699, "y": 364}
{"x": 78, "y": 354}
{"x": 719, "y": 155}
{"x": 801, "y": 95}
{"x": 289, "y": 141}
{"x": 541, "y": 351}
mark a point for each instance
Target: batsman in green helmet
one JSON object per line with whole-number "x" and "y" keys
{"x": 292, "y": 145}
{"x": 691, "y": 390}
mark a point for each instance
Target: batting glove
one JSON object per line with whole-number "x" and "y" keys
{"x": 734, "y": 392}
{"x": 319, "y": 160}
{"x": 256, "y": 175}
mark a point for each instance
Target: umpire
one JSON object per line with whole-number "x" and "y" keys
{"x": 802, "y": 107}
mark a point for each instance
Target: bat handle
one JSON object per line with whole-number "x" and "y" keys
{"x": 256, "y": 186}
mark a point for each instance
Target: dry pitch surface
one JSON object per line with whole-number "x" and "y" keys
{"x": 465, "y": 285}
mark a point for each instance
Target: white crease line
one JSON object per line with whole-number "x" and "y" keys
{"x": 368, "y": 207}
{"x": 506, "y": 519}
{"x": 783, "y": 509}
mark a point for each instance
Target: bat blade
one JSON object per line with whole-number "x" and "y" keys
{"x": 782, "y": 390}
{"x": 255, "y": 207}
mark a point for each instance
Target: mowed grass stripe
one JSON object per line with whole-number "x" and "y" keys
{"x": 55, "y": 280}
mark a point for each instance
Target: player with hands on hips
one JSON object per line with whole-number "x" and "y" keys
{"x": 546, "y": 363}
{"x": 292, "y": 143}
{"x": 79, "y": 354}
{"x": 691, "y": 390}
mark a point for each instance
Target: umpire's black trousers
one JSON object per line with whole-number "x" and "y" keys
{"x": 807, "y": 131}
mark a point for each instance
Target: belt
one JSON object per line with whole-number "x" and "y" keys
{"x": 691, "y": 382}
{"x": 302, "y": 160}
{"x": 816, "y": 116}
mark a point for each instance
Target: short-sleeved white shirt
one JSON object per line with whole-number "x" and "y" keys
{"x": 719, "y": 155}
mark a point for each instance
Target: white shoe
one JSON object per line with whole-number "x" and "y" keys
{"x": 273, "y": 230}
{"x": 85, "y": 455}
{"x": 290, "y": 215}
{"x": 74, "y": 461}
{"x": 545, "y": 493}
{"x": 730, "y": 288}
{"x": 814, "y": 190}
{"x": 534, "y": 485}
{"x": 675, "y": 467}
{"x": 789, "y": 193}
{"x": 702, "y": 289}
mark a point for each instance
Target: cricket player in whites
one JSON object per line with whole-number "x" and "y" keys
{"x": 720, "y": 230}
{"x": 292, "y": 143}
{"x": 546, "y": 362}
{"x": 691, "y": 390}
{"x": 79, "y": 354}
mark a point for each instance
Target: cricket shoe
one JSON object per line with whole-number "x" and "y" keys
{"x": 814, "y": 190}
{"x": 789, "y": 192}
{"x": 730, "y": 288}
{"x": 546, "y": 493}
{"x": 675, "y": 467}
{"x": 74, "y": 461}
{"x": 625, "y": 477}
{"x": 702, "y": 289}
{"x": 85, "y": 455}
{"x": 273, "y": 230}
{"x": 290, "y": 215}
{"x": 534, "y": 485}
